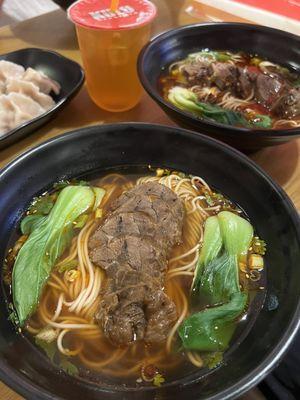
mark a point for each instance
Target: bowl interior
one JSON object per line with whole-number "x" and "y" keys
{"x": 100, "y": 148}
{"x": 178, "y": 43}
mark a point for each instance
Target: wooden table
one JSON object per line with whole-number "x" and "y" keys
{"x": 54, "y": 31}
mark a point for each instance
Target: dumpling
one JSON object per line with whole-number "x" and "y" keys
{"x": 10, "y": 70}
{"x": 30, "y": 89}
{"x": 7, "y": 114}
{"x": 24, "y": 107}
{"x": 45, "y": 84}
{"x": 15, "y": 109}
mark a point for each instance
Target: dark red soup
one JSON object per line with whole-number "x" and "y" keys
{"x": 235, "y": 89}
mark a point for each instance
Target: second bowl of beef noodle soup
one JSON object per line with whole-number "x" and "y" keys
{"x": 234, "y": 88}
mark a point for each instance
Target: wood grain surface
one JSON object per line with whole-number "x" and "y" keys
{"x": 54, "y": 31}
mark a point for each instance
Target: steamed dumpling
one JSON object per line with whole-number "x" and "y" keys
{"x": 31, "y": 90}
{"x": 42, "y": 81}
{"x": 24, "y": 106}
{"x": 17, "y": 109}
{"x": 10, "y": 70}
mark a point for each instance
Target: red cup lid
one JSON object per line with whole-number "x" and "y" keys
{"x": 96, "y": 14}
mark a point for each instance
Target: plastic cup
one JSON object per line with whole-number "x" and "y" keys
{"x": 109, "y": 44}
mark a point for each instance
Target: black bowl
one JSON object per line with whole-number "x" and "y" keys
{"x": 66, "y": 72}
{"x": 275, "y": 45}
{"x": 97, "y": 148}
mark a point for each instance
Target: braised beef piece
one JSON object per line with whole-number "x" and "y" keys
{"x": 268, "y": 88}
{"x": 288, "y": 105}
{"x": 131, "y": 251}
{"x": 224, "y": 75}
{"x": 245, "y": 82}
{"x": 133, "y": 246}
{"x": 160, "y": 311}
{"x": 198, "y": 72}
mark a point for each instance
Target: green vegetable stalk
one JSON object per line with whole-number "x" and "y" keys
{"x": 227, "y": 237}
{"x": 212, "y": 244}
{"x": 212, "y": 328}
{"x": 187, "y": 100}
{"x": 49, "y": 236}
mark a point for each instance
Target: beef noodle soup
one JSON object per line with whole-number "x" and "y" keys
{"x": 235, "y": 89}
{"x": 130, "y": 276}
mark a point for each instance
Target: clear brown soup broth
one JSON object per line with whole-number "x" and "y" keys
{"x": 123, "y": 365}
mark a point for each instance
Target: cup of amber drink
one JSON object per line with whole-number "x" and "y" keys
{"x": 111, "y": 35}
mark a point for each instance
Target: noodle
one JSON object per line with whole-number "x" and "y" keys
{"x": 282, "y": 123}
{"x": 70, "y": 306}
{"x": 231, "y": 102}
{"x": 195, "y": 359}
{"x": 227, "y": 100}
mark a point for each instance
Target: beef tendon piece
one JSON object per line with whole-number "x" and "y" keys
{"x": 132, "y": 245}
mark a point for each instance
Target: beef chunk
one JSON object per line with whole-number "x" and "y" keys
{"x": 132, "y": 245}
{"x": 158, "y": 203}
{"x": 161, "y": 312}
{"x": 129, "y": 224}
{"x": 224, "y": 76}
{"x": 125, "y": 325}
{"x": 244, "y": 83}
{"x": 268, "y": 88}
{"x": 154, "y": 191}
{"x": 132, "y": 251}
{"x": 288, "y": 105}
{"x": 198, "y": 72}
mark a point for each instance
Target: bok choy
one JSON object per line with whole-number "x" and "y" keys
{"x": 212, "y": 328}
{"x": 227, "y": 237}
{"x": 187, "y": 100}
{"x": 49, "y": 236}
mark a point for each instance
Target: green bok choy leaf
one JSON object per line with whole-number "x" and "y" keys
{"x": 187, "y": 100}
{"x": 212, "y": 244}
{"x": 48, "y": 238}
{"x": 227, "y": 237}
{"x": 212, "y": 328}
{"x": 237, "y": 233}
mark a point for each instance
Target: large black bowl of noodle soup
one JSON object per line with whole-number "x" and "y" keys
{"x": 91, "y": 153}
{"x": 229, "y": 41}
